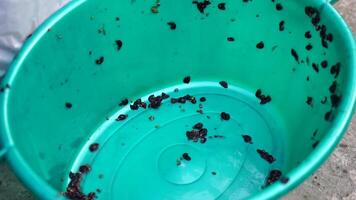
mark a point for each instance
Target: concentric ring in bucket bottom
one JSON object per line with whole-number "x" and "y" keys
{"x": 141, "y": 156}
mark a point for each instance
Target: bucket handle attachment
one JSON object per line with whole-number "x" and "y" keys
{"x": 4, "y": 148}
{"x": 3, "y": 152}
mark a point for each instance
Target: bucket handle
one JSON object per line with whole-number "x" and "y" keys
{"x": 332, "y": 1}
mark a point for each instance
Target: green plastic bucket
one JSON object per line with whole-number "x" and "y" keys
{"x": 283, "y": 73}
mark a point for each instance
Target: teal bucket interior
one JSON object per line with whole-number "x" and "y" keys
{"x": 288, "y": 99}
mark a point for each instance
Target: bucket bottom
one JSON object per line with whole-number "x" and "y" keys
{"x": 206, "y": 148}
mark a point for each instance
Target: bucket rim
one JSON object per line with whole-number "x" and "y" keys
{"x": 21, "y": 169}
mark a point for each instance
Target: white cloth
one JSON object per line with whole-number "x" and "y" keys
{"x": 18, "y": 19}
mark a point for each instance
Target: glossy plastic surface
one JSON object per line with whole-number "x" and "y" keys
{"x": 45, "y": 138}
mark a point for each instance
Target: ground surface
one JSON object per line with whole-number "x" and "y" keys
{"x": 336, "y": 179}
